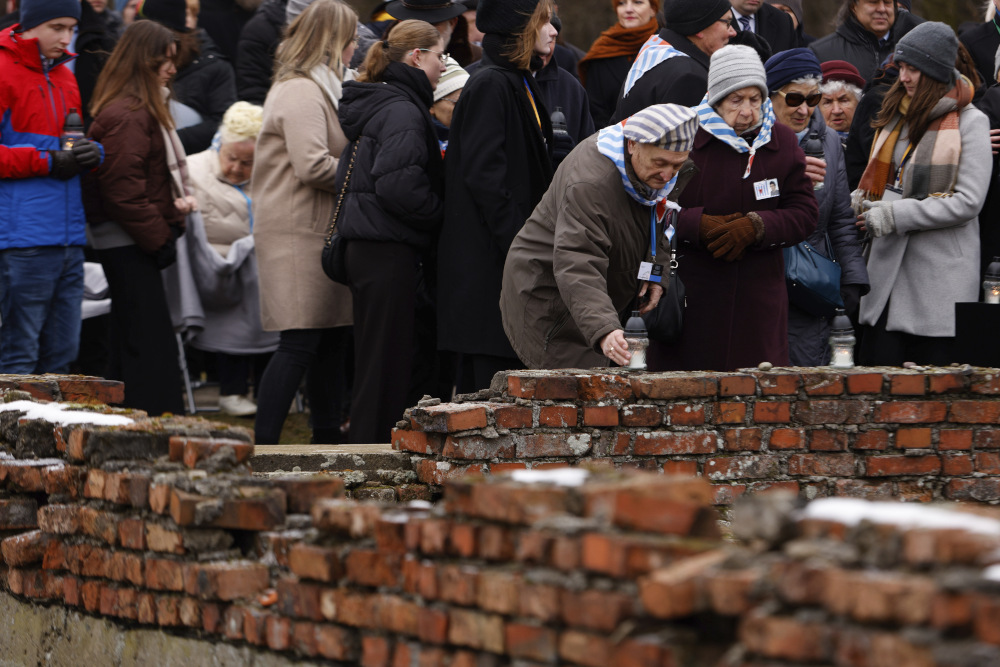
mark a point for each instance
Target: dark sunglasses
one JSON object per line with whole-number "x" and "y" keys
{"x": 796, "y": 99}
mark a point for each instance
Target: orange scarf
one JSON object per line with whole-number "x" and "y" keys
{"x": 617, "y": 41}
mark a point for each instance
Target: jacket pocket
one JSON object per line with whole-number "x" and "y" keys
{"x": 555, "y": 329}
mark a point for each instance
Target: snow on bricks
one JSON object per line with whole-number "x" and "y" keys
{"x": 910, "y": 434}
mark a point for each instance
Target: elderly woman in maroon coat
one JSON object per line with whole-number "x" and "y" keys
{"x": 750, "y": 198}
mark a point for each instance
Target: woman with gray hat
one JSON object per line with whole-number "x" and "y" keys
{"x": 750, "y": 198}
{"x": 919, "y": 200}
{"x": 498, "y": 167}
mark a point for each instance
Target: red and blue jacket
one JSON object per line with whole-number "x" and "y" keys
{"x": 35, "y": 209}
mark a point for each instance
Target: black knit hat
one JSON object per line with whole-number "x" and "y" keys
{"x": 504, "y": 17}
{"x": 36, "y": 12}
{"x": 168, "y": 13}
{"x": 432, "y": 11}
{"x": 688, "y": 17}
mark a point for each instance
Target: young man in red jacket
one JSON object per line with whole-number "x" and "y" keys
{"x": 41, "y": 214}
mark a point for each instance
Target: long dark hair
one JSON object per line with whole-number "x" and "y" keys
{"x": 929, "y": 92}
{"x": 131, "y": 71}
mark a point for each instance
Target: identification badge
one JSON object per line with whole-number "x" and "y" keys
{"x": 766, "y": 189}
{"x": 650, "y": 272}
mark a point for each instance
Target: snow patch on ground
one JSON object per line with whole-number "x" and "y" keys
{"x": 58, "y": 414}
{"x": 557, "y": 476}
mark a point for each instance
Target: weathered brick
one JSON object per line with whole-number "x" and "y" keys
{"x": 585, "y": 649}
{"x": 907, "y": 385}
{"x": 262, "y": 509}
{"x": 65, "y": 480}
{"x": 668, "y": 443}
{"x": 674, "y": 386}
{"x": 737, "y": 385}
{"x": 743, "y": 439}
{"x": 680, "y": 467}
{"x": 601, "y": 611}
{"x": 479, "y": 447}
{"x": 604, "y": 387}
{"x": 956, "y": 463}
{"x": 419, "y": 442}
{"x": 779, "y": 384}
{"x": 943, "y": 383}
{"x": 230, "y": 580}
{"x": 882, "y": 466}
{"x": 772, "y": 412}
{"x": 604, "y": 415}
{"x": 819, "y": 412}
{"x": 299, "y": 599}
{"x": 125, "y": 566}
{"x": 25, "y": 549}
{"x": 864, "y": 383}
{"x": 371, "y": 568}
{"x": 982, "y": 490}
{"x": 872, "y": 440}
{"x": 641, "y": 415}
{"x": 786, "y": 638}
{"x": 132, "y": 534}
{"x": 512, "y": 416}
{"x": 913, "y": 438}
{"x": 18, "y": 513}
{"x": 301, "y": 491}
{"x": 686, "y": 414}
{"x": 821, "y": 465}
{"x": 476, "y": 630}
{"x": 451, "y": 417}
{"x": 828, "y": 441}
{"x": 954, "y": 439}
{"x": 787, "y": 438}
{"x": 910, "y": 412}
{"x": 552, "y": 445}
{"x": 336, "y": 643}
{"x": 558, "y": 416}
{"x": 669, "y": 505}
{"x": 758, "y": 466}
{"x": 100, "y": 524}
{"x": 530, "y": 642}
{"x": 164, "y": 575}
{"x": 975, "y": 412}
{"x": 730, "y": 413}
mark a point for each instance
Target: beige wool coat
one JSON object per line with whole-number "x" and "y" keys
{"x": 293, "y": 201}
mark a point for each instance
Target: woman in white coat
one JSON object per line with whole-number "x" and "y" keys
{"x": 919, "y": 201}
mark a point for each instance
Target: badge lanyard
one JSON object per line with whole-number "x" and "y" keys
{"x": 532, "y": 98}
{"x": 898, "y": 184}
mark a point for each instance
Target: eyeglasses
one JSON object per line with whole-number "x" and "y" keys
{"x": 725, "y": 21}
{"x": 442, "y": 56}
{"x": 448, "y": 99}
{"x": 796, "y": 99}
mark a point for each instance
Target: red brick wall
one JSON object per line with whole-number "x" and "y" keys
{"x": 866, "y": 433}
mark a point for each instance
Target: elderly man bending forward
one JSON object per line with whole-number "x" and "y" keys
{"x": 572, "y": 273}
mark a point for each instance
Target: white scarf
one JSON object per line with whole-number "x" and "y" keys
{"x": 328, "y": 82}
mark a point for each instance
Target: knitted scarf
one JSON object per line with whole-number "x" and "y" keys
{"x": 617, "y": 41}
{"x": 933, "y": 169}
{"x": 655, "y": 51}
{"x": 611, "y": 144}
{"x": 176, "y": 160}
{"x": 713, "y": 123}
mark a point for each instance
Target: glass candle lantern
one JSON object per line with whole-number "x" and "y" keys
{"x": 637, "y": 338}
{"x": 991, "y": 282}
{"x": 842, "y": 341}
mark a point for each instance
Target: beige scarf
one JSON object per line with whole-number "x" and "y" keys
{"x": 176, "y": 160}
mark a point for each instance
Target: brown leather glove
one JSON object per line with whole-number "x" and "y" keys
{"x": 730, "y": 242}
{"x": 710, "y": 223}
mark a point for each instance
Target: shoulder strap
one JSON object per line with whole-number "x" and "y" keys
{"x": 340, "y": 197}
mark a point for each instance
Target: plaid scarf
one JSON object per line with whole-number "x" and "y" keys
{"x": 713, "y": 123}
{"x": 933, "y": 169}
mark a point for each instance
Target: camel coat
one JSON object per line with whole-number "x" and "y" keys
{"x": 293, "y": 202}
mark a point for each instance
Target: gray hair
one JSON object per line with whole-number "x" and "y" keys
{"x": 811, "y": 81}
{"x": 831, "y": 88}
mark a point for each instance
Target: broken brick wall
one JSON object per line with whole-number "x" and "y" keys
{"x": 871, "y": 433}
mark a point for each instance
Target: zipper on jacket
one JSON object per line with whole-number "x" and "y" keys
{"x": 556, "y": 328}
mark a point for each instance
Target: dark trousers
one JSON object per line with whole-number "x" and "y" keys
{"x": 476, "y": 371}
{"x": 321, "y": 352}
{"x": 384, "y": 286}
{"x": 878, "y": 347}
{"x": 143, "y": 350}
{"x": 234, "y": 372}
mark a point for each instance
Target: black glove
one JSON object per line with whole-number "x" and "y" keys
{"x": 851, "y": 296}
{"x": 64, "y": 165}
{"x": 87, "y": 154}
{"x": 167, "y": 254}
{"x": 562, "y": 145}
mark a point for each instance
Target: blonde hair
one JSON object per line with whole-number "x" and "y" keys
{"x": 399, "y": 41}
{"x": 241, "y": 121}
{"x": 524, "y": 46}
{"x": 318, "y": 36}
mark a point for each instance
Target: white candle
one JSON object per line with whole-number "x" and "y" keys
{"x": 993, "y": 295}
{"x": 638, "y": 359}
{"x": 842, "y": 358}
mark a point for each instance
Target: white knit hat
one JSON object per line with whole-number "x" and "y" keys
{"x": 734, "y": 67}
{"x": 453, "y": 79}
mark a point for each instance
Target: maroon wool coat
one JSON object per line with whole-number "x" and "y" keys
{"x": 737, "y": 312}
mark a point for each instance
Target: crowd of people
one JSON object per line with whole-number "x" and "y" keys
{"x": 497, "y": 198}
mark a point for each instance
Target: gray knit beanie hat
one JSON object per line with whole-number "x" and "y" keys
{"x": 294, "y": 8}
{"x": 931, "y": 47}
{"x": 733, "y": 67}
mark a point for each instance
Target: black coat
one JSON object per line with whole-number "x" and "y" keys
{"x": 982, "y": 41}
{"x": 208, "y": 86}
{"x": 94, "y": 43}
{"x": 605, "y": 77}
{"x": 776, "y": 27}
{"x": 397, "y": 185}
{"x": 862, "y": 134}
{"x": 989, "y": 218}
{"x": 851, "y": 42}
{"x": 497, "y": 169}
{"x": 255, "y": 51}
{"x": 223, "y": 20}
{"x": 568, "y": 57}
{"x": 562, "y": 89}
{"x": 678, "y": 80}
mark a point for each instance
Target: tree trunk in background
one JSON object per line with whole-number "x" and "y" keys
{"x": 583, "y": 20}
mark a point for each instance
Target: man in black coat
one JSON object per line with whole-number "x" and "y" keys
{"x": 866, "y": 35}
{"x": 766, "y": 21}
{"x": 677, "y": 75}
{"x": 982, "y": 41}
{"x": 255, "y": 51}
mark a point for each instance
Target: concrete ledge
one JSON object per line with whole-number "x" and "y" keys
{"x": 56, "y": 636}
{"x": 328, "y": 458}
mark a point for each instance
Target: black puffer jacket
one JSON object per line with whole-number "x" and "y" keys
{"x": 255, "y": 51}
{"x": 94, "y": 43}
{"x": 396, "y": 189}
{"x": 208, "y": 86}
{"x": 851, "y": 42}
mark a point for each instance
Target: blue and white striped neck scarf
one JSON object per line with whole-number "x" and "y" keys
{"x": 718, "y": 128}
{"x": 611, "y": 144}
{"x": 653, "y": 52}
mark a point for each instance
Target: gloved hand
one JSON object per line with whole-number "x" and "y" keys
{"x": 730, "y": 242}
{"x": 710, "y": 223}
{"x": 167, "y": 253}
{"x": 851, "y": 296}
{"x": 878, "y": 219}
{"x": 87, "y": 154}
{"x": 64, "y": 165}
{"x": 562, "y": 144}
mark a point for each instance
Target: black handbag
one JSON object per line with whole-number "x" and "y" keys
{"x": 335, "y": 250}
{"x": 665, "y": 322}
{"x": 813, "y": 281}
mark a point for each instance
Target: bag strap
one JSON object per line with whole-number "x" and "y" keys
{"x": 340, "y": 197}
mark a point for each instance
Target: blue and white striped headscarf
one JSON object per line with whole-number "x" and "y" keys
{"x": 713, "y": 123}
{"x": 653, "y": 52}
